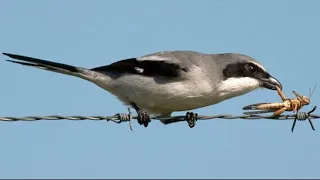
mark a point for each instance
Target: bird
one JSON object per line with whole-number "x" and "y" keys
{"x": 169, "y": 81}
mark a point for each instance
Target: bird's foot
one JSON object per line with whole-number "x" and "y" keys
{"x": 191, "y": 118}
{"x": 143, "y": 118}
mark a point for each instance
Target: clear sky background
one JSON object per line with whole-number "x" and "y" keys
{"x": 283, "y": 35}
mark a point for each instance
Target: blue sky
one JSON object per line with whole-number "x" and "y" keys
{"x": 283, "y": 35}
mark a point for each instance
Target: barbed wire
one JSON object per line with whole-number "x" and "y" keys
{"x": 127, "y": 117}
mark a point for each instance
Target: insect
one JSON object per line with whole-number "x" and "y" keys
{"x": 294, "y": 105}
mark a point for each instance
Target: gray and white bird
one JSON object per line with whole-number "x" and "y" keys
{"x": 169, "y": 81}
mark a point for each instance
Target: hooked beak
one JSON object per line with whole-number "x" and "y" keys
{"x": 270, "y": 83}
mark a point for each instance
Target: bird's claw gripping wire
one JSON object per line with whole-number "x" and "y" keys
{"x": 123, "y": 117}
{"x": 143, "y": 118}
{"x": 302, "y": 116}
{"x": 191, "y": 118}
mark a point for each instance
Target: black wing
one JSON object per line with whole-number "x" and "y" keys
{"x": 145, "y": 67}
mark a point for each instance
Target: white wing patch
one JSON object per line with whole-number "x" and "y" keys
{"x": 139, "y": 70}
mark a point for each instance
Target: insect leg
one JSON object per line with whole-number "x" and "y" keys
{"x": 295, "y": 107}
{"x": 280, "y": 111}
{"x": 281, "y": 94}
{"x": 297, "y": 95}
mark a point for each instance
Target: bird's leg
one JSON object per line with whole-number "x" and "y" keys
{"x": 191, "y": 118}
{"x": 143, "y": 117}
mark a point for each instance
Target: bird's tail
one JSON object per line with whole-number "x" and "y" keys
{"x": 51, "y": 66}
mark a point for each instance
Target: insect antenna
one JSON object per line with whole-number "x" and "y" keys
{"x": 311, "y": 92}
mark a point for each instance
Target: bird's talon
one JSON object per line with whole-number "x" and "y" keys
{"x": 191, "y": 118}
{"x": 143, "y": 118}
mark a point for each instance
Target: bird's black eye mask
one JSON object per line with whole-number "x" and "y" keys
{"x": 244, "y": 70}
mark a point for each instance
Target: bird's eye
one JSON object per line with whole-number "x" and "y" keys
{"x": 252, "y": 69}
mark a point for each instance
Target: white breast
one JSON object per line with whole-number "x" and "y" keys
{"x": 232, "y": 87}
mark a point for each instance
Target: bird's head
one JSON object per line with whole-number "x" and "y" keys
{"x": 242, "y": 74}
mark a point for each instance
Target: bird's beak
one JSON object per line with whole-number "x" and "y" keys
{"x": 270, "y": 83}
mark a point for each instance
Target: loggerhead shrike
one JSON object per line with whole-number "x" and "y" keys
{"x": 169, "y": 81}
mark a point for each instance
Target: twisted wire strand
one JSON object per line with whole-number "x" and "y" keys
{"x": 123, "y": 117}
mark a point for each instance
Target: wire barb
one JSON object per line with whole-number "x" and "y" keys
{"x": 302, "y": 116}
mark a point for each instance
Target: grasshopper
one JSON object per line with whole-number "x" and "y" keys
{"x": 294, "y": 105}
